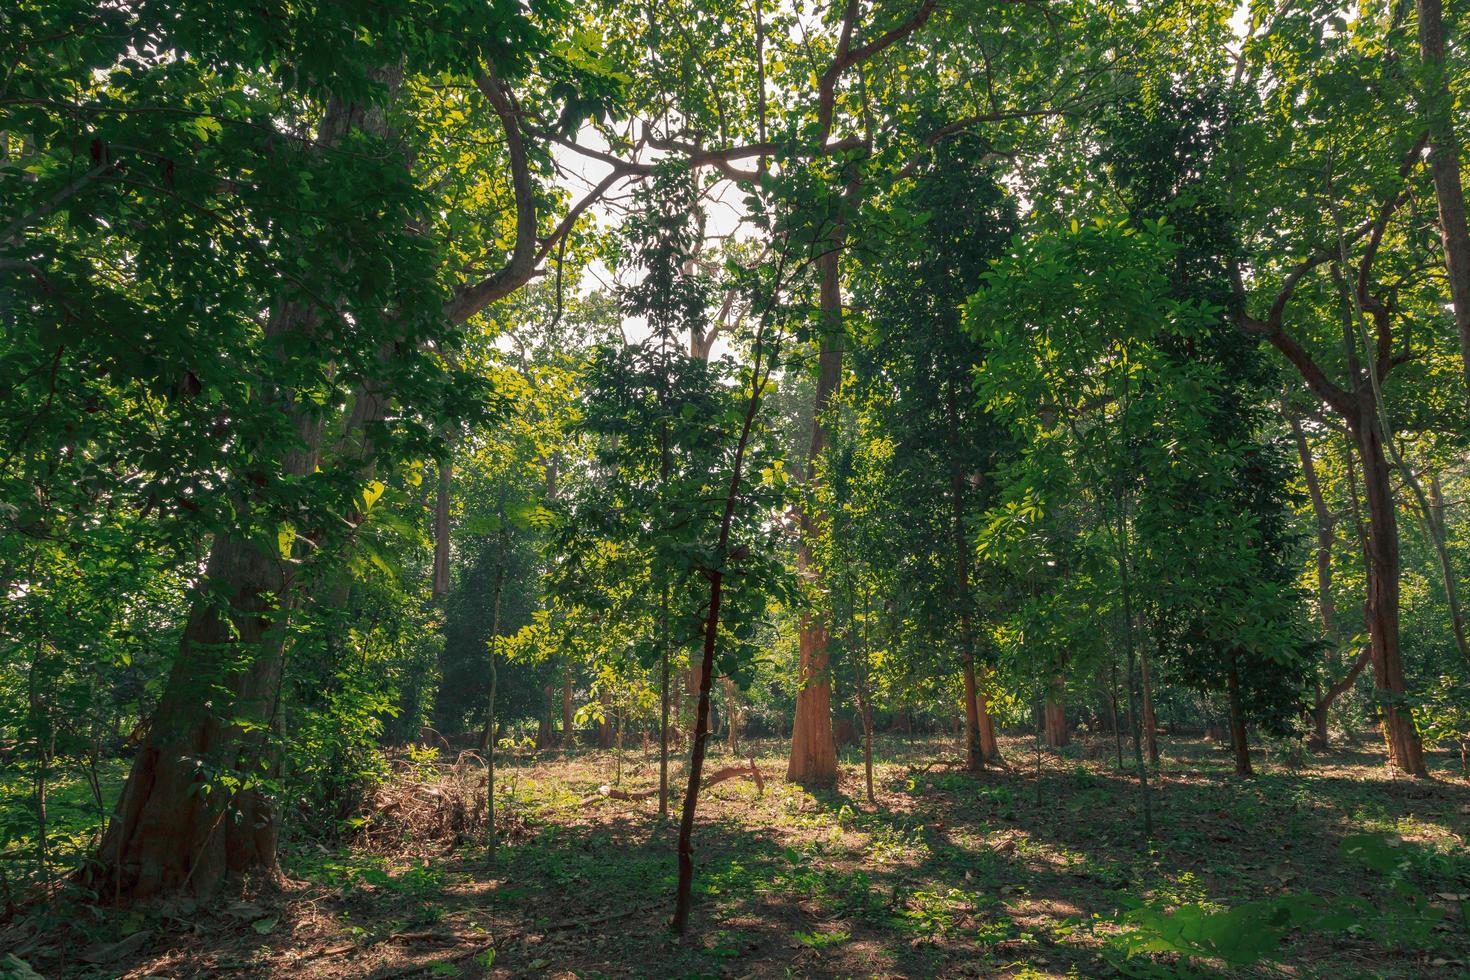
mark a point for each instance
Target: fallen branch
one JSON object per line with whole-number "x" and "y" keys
{"x": 606, "y": 792}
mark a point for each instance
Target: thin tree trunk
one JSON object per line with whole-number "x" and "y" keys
{"x": 1432, "y": 509}
{"x": 605, "y": 727}
{"x": 487, "y": 736}
{"x": 1113, "y": 702}
{"x": 663, "y": 699}
{"x": 1326, "y": 604}
{"x": 441, "y": 530}
{"x": 1125, "y": 581}
{"x": 865, "y": 707}
{"x": 1054, "y": 711}
{"x": 544, "y": 731}
{"x": 1150, "y": 723}
{"x": 683, "y": 899}
{"x": 732, "y": 714}
{"x": 974, "y": 754}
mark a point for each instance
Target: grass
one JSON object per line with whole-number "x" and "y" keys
{"x": 948, "y": 874}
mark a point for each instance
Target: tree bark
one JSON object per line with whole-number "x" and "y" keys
{"x": 219, "y": 709}
{"x": 1444, "y": 167}
{"x": 813, "y": 760}
{"x": 1150, "y": 723}
{"x": 683, "y": 897}
{"x": 1383, "y": 595}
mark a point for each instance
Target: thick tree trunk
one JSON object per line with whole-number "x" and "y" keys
{"x": 1238, "y": 743}
{"x": 1444, "y": 167}
{"x": 989, "y": 743}
{"x": 167, "y": 834}
{"x": 1383, "y": 596}
{"x": 813, "y": 760}
{"x": 219, "y": 708}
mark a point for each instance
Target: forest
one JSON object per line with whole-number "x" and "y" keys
{"x": 750, "y": 488}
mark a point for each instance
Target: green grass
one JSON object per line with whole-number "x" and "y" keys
{"x": 948, "y": 875}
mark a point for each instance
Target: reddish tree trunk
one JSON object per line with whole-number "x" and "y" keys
{"x": 1383, "y": 596}
{"x": 1444, "y": 167}
{"x": 813, "y": 760}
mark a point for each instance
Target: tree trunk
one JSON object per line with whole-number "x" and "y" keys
{"x": 219, "y": 709}
{"x": 566, "y": 714}
{"x": 544, "y": 732}
{"x": 487, "y": 738}
{"x": 1238, "y": 743}
{"x": 813, "y": 759}
{"x": 1056, "y": 713}
{"x": 664, "y": 704}
{"x": 1150, "y": 723}
{"x": 1326, "y": 604}
{"x": 441, "y": 530}
{"x": 1444, "y": 167}
{"x": 974, "y": 754}
{"x": 1383, "y": 595}
{"x": 168, "y": 834}
{"x": 989, "y": 743}
{"x": 683, "y": 896}
{"x": 732, "y": 714}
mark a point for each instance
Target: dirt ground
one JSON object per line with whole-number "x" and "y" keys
{"x": 1003, "y": 874}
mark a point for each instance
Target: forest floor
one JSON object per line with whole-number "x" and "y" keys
{"x": 948, "y": 874}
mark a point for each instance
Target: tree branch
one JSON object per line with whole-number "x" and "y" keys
{"x": 521, "y": 266}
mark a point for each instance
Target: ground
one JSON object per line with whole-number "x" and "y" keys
{"x": 948, "y": 874}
